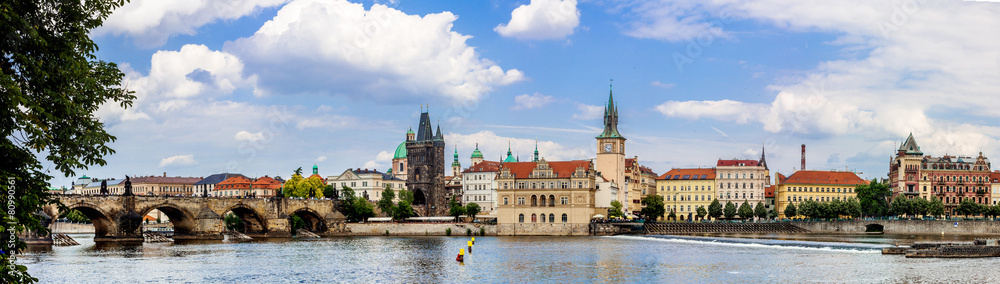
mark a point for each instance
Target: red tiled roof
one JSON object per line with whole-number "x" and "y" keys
{"x": 824, "y": 177}
{"x": 734, "y": 162}
{"x": 646, "y": 170}
{"x": 484, "y": 166}
{"x": 695, "y": 174}
{"x": 162, "y": 179}
{"x": 769, "y": 191}
{"x": 234, "y": 182}
{"x": 267, "y": 183}
{"x": 561, "y": 168}
{"x": 995, "y": 176}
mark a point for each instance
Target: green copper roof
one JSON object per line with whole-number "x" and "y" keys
{"x": 610, "y": 119}
{"x": 910, "y": 146}
{"x": 455, "y": 163}
{"x": 408, "y": 132}
{"x": 400, "y": 151}
{"x": 510, "y": 157}
{"x": 476, "y": 153}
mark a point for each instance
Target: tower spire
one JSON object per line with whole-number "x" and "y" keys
{"x": 536, "y": 150}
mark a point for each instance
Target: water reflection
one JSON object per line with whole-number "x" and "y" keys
{"x": 760, "y": 258}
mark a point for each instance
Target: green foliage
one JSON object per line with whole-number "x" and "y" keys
{"x": 355, "y": 209}
{"x": 616, "y": 210}
{"x": 77, "y": 216}
{"x": 774, "y": 214}
{"x": 233, "y": 223}
{"x": 385, "y": 203}
{"x": 447, "y": 231}
{"x": 968, "y": 208}
{"x": 935, "y": 207}
{"x": 298, "y": 171}
{"x": 468, "y": 232}
{"x": 671, "y": 215}
{"x": 760, "y": 211}
{"x": 992, "y": 211}
{"x": 330, "y": 191}
{"x": 873, "y": 198}
{"x": 653, "y": 207}
{"x": 730, "y": 210}
{"x": 715, "y": 209}
{"x": 745, "y": 211}
{"x": 51, "y": 84}
{"x": 404, "y": 209}
{"x": 482, "y": 231}
{"x": 791, "y": 211}
{"x": 456, "y": 209}
{"x": 919, "y": 206}
{"x": 808, "y": 208}
{"x": 298, "y": 186}
{"x": 835, "y": 208}
{"x": 900, "y": 206}
{"x": 472, "y": 209}
{"x": 701, "y": 212}
{"x": 852, "y": 207}
{"x": 297, "y": 223}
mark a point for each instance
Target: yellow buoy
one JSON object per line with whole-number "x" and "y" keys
{"x": 473, "y": 240}
{"x": 461, "y": 255}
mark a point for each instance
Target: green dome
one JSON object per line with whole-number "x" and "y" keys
{"x": 409, "y": 131}
{"x": 477, "y": 154}
{"x": 400, "y": 151}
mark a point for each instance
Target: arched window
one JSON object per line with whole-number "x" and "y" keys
{"x": 552, "y": 218}
{"x": 543, "y": 218}
{"x": 552, "y": 202}
{"x": 520, "y": 218}
{"x": 534, "y": 200}
{"x": 542, "y": 201}
{"x": 534, "y": 218}
{"x": 565, "y": 218}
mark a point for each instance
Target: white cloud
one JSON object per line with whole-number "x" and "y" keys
{"x": 588, "y": 112}
{"x": 249, "y": 137}
{"x": 912, "y": 58}
{"x": 341, "y": 48}
{"x": 494, "y": 146}
{"x": 661, "y": 84}
{"x": 179, "y": 160}
{"x": 527, "y": 101}
{"x": 152, "y": 22}
{"x": 380, "y": 161}
{"x": 542, "y": 19}
{"x": 320, "y": 159}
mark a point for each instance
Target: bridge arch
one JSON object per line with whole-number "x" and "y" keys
{"x": 255, "y": 224}
{"x": 874, "y": 228}
{"x": 104, "y": 222}
{"x": 313, "y": 221}
{"x": 183, "y": 221}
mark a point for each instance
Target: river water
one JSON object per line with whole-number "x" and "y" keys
{"x": 661, "y": 259}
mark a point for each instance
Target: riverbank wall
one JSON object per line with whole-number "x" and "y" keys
{"x": 71, "y": 228}
{"x": 919, "y": 227}
{"x": 410, "y": 229}
{"x": 722, "y": 228}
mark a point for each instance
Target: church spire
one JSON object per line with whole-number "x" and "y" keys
{"x": 536, "y": 151}
{"x": 610, "y": 119}
{"x": 763, "y": 161}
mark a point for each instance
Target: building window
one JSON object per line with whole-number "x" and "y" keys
{"x": 534, "y": 201}
{"x": 565, "y": 218}
{"x": 520, "y": 218}
{"x": 552, "y": 218}
{"x": 520, "y": 201}
{"x": 504, "y": 201}
{"x": 564, "y": 200}
{"x": 534, "y": 218}
{"x": 552, "y": 200}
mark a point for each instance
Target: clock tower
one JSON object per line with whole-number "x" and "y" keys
{"x": 611, "y": 148}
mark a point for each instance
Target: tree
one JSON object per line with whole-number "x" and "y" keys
{"x": 52, "y": 84}
{"x": 993, "y": 211}
{"x": 472, "y": 209}
{"x": 616, "y": 210}
{"x": 853, "y": 208}
{"x": 456, "y": 209}
{"x": 298, "y": 186}
{"x": 653, "y": 207}
{"x": 330, "y": 191}
{"x": 715, "y": 209}
{"x": 701, "y": 212}
{"x": 386, "y": 203}
{"x": 935, "y": 207}
{"x": 760, "y": 211}
{"x": 234, "y": 223}
{"x": 729, "y": 210}
{"x": 968, "y": 208}
{"x": 790, "y": 211}
{"x": 873, "y": 198}
{"x": 296, "y": 222}
{"x": 291, "y": 188}
{"x": 807, "y": 208}
{"x": 836, "y": 208}
{"x": 356, "y": 209}
{"x": 745, "y": 211}
{"x": 672, "y": 215}
{"x": 404, "y": 208}
{"x": 919, "y": 206}
{"x": 76, "y": 216}
{"x": 900, "y": 206}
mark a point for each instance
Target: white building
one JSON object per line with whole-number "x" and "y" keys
{"x": 479, "y": 185}
{"x": 742, "y": 180}
{"x": 366, "y": 181}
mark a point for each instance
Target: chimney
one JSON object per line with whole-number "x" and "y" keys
{"x": 164, "y": 174}
{"x": 803, "y": 157}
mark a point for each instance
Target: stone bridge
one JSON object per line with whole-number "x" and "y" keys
{"x": 119, "y": 218}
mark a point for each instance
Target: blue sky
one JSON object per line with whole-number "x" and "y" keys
{"x": 266, "y": 86}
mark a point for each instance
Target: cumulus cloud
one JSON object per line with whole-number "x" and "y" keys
{"x": 527, "y": 101}
{"x": 249, "y": 137}
{"x": 380, "y": 161}
{"x": 179, "y": 160}
{"x": 494, "y": 146}
{"x": 340, "y": 48}
{"x": 661, "y": 84}
{"x": 152, "y": 22}
{"x": 588, "y": 112}
{"x": 913, "y": 58}
{"x": 542, "y": 19}
{"x": 320, "y": 159}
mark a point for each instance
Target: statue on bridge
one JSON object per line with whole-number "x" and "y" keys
{"x": 104, "y": 187}
{"x": 128, "y": 187}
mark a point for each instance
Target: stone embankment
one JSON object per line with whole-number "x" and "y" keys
{"x": 413, "y": 229}
{"x": 71, "y": 228}
{"x": 919, "y": 227}
{"x": 979, "y": 248}
{"x": 722, "y": 228}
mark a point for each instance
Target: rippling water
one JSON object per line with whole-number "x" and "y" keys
{"x": 731, "y": 259}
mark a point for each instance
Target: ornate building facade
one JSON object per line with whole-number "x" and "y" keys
{"x": 684, "y": 190}
{"x": 742, "y": 180}
{"x": 951, "y": 178}
{"x": 546, "y": 198}
{"x": 610, "y": 161}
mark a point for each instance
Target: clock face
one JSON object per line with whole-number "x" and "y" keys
{"x": 607, "y": 147}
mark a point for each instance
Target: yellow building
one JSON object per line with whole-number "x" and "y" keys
{"x": 545, "y": 198}
{"x": 684, "y": 190}
{"x": 821, "y": 186}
